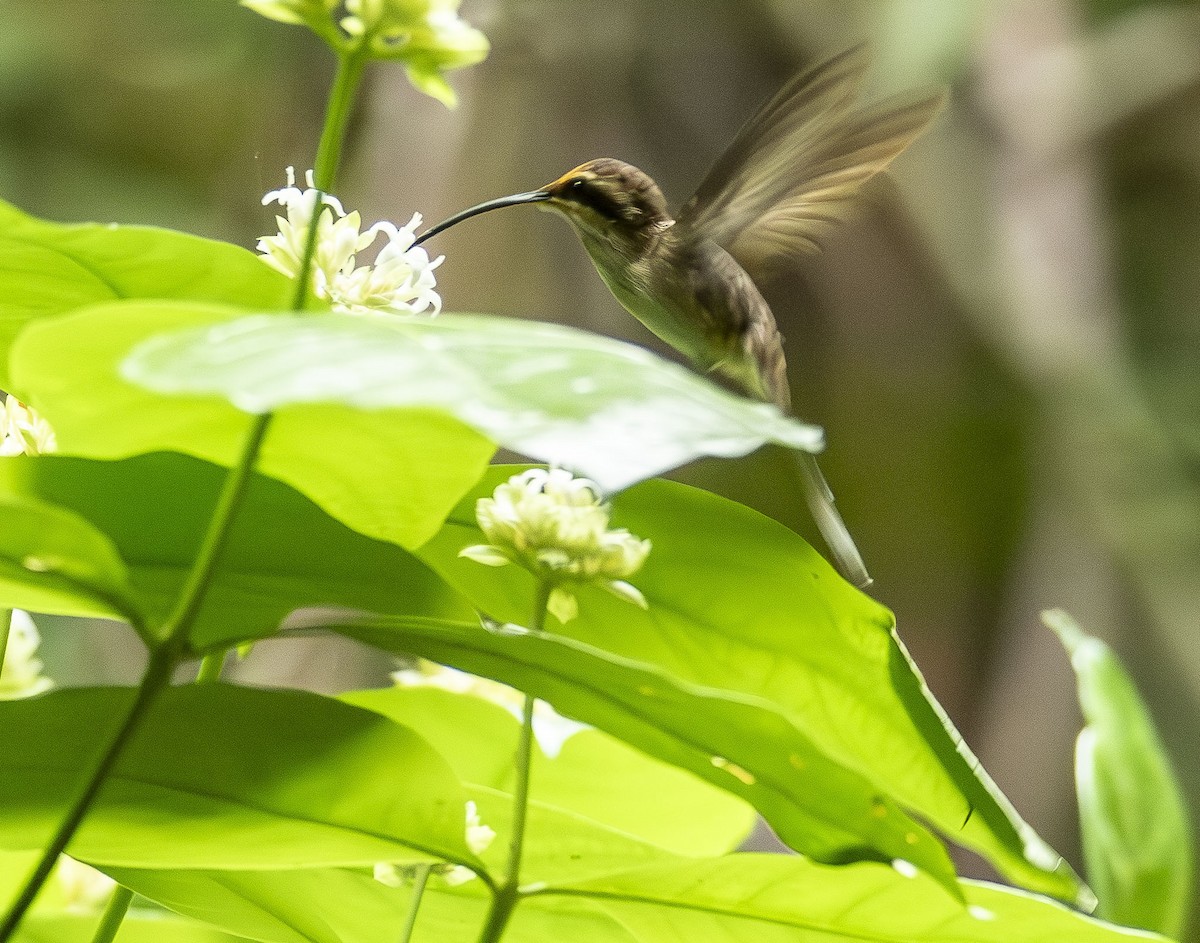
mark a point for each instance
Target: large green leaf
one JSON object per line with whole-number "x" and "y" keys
{"x": 390, "y": 474}
{"x": 778, "y": 899}
{"x": 593, "y": 774}
{"x": 48, "y": 268}
{"x": 739, "y": 743}
{"x": 52, "y": 560}
{"x": 612, "y": 411}
{"x": 138, "y": 927}
{"x": 327, "y": 905}
{"x": 743, "y": 606}
{"x": 283, "y": 552}
{"x": 1136, "y": 837}
{"x": 231, "y": 778}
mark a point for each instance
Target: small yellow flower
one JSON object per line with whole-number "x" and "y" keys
{"x": 556, "y": 526}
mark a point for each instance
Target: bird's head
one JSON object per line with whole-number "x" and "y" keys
{"x": 604, "y": 197}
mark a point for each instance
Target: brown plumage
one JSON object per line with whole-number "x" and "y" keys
{"x": 790, "y": 174}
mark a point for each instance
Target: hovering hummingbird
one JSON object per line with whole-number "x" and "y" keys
{"x": 789, "y": 175}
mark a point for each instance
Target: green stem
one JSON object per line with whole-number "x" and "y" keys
{"x": 156, "y": 678}
{"x": 176, "y": 627}
{"x": 211, "y": 666}
{"x": 337, "y": 118}
{"x": 172, "y": 637}
{"x": 5, "y": 629}
{"x": 505, "y": 897}
{"x": 420, "y": 879}
{"x": 114, "y": 915}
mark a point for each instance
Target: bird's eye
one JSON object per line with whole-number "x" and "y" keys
{"x": 578, "y": 184}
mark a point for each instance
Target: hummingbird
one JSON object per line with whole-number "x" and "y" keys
{"x": 692, "y": 278}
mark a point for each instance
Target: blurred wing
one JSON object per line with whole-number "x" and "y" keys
{"x": 793, "y": 169}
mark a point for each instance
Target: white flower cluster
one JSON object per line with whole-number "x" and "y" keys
{"x": 401, "y": 280}
{"x": 556, "y": 526}
{"x": 21, "y": 674}
{"x": 23, "y": 431}
{"x": 479, "y": 839}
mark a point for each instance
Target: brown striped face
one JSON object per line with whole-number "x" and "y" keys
{"x": 608, "y": 192}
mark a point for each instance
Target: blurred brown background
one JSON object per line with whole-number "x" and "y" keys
{"x": 1003, "y": 346}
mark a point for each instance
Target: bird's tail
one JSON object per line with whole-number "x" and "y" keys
{"x": 833, "y": 529}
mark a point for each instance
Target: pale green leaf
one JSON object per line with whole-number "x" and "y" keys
{"x": 1136, "y": 836}
{"x": 611, "y": 411}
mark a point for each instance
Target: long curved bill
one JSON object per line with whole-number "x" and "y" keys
{"x": 517, "y": 199}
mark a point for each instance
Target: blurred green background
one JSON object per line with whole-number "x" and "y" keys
{"x": 1002, "y": 346}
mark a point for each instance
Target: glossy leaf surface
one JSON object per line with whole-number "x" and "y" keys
{"x": 611, "y": 411}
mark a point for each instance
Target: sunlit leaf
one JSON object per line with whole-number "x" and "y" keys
{"x": 777, "y": 899}
{"x": 226, "y": 777}
{"x": 138, "y": 927}
{"x": 592, "y": 775}
{"x": 391, "y": 474}
{"x": 738, "y": 743}
{"x": 610, "y": 410}
{"x": 52, "y": 560}
{"x": 742, "y": 605}
{"x": 1136, "y": 836}
{"x": 283, "y": 552}
{"x": 49, "y": 268}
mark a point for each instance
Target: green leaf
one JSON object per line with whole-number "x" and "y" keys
{"x": 1136, "y": 836}
{"x": 300, "y": 906}
{"x": 390, "y": 474}
{"x": 345, "y": 906}
{"x": 612, "y": 411}
{"x": 230, "y": 778}
{"x": 283, "y": 551}
{"x": 744, "y": 607}
{"x": 52, "y": 560}
{"x": 593, "y": 775}
{"x": 48, "y": 268}
{"x": 738, "y": 743}
{"x": 769, "y": 898}
{"x": 138, "y": 927}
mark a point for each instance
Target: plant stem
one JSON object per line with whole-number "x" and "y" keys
{"x": 158, "y": 674}
{"x": 217, "y": 535}
{"x": 114, "y": 915}
{"x": 420, "y": 879}
{"x": 337, "y": 117}
{"x": 504, "y": 900}
{"x": 5, "y": 629}
{"x": 172, "y": 637}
